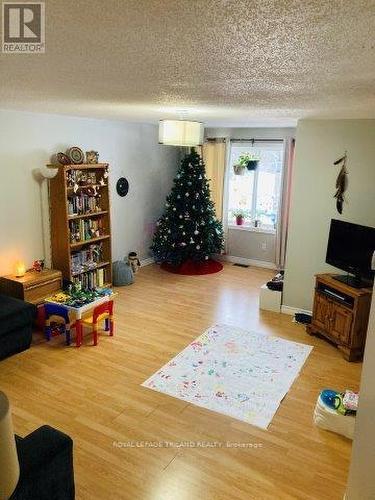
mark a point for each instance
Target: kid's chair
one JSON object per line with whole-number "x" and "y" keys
{"x": 102, "y": 311}
{"x": 58, "y": 314}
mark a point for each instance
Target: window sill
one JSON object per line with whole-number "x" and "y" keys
{"x": 252, "y": 229}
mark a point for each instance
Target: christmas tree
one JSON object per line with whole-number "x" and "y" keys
{"x": 188, "y": 230}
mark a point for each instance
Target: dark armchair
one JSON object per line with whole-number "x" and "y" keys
{"x": 46, "y": 466}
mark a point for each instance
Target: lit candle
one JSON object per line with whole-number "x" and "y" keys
{"x": 20, "y": 269}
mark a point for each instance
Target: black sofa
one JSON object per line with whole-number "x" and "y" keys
{"x": 16, "y": 323}
{"x": 46, "y": 466}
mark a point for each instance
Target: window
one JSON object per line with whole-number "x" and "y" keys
{"x": 256, "y": 193}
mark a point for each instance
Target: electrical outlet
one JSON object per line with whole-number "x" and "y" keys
{"x": 264, "y": 245}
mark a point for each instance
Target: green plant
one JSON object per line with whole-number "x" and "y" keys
{"x": 244, "y": 158}
{"x": 240, "y": 212}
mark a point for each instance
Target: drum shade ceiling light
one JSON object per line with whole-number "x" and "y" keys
{"x": 180, "y": 133}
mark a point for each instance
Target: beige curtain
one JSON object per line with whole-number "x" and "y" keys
{"x": 282, "y": 229}
{"x": 213, "y": 153}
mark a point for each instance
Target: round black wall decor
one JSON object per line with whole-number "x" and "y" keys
{"x": 122, "y": 186}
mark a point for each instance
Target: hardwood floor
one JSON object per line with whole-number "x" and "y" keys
{"x": 94, "y": 395}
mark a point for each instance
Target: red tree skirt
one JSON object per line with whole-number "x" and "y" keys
{"x": 193, "y": 268}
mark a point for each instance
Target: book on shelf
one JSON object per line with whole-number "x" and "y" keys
{"x": 85, "y": 230}
{"x": 86, "y": 259}
{"x": 83, "y": 204}
{"x": 91, "y": 279}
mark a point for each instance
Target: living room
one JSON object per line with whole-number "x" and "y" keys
{"x": 186, "y": 272}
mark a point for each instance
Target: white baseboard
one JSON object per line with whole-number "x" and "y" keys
{"x": 293, "y": 310}
{"x": 147, "y": 262}
{"x": 249, "y": 262}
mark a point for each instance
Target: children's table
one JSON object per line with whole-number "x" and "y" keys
{"x": 76, "y": 313}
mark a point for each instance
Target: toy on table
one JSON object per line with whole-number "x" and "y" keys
{"x": 133, "y": 261}
{"x": 74, "y": 297}
{"x": 55, "y": 313}
{"x": 101, "y": 312}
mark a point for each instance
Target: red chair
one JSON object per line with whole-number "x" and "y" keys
{"x": 101, "y": 312}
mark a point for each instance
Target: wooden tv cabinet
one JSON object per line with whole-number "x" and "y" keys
{"x": 341, "y": 315}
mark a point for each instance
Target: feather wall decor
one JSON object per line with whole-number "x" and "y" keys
{"x": 341, "y": 183}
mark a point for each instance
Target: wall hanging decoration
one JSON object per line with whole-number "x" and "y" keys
{"x": 76, "y": 155}
{"x": 341, "y": 183}
{"x": 122, "y": 186}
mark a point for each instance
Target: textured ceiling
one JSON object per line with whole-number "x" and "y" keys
{"x": 227, "y": 62}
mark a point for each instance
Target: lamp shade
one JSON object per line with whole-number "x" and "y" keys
{"x": 9, "y": 467}
{"x": 48, "y": 171}
{"x": 180, "y": 133}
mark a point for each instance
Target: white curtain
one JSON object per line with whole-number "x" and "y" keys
{"x": 282, "y": 227}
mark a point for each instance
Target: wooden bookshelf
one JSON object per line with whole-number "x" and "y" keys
{"x": 71, "y": 224}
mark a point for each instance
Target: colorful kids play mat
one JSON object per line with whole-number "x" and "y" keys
{"x": 232, "y": 371}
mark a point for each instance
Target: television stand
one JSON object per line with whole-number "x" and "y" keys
{"x": 341, "y": 314}
{"x": 353, "y": 281}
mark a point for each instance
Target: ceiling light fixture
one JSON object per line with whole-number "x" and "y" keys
{"x": 180, "y": 133}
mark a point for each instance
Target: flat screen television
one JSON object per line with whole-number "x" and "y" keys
{"x": 350, "y": 248}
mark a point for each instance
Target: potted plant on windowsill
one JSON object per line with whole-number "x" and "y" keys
{"x": 247, "y": 161}
{"x": 239, "y": 169}
{"x": 240, "y": 216}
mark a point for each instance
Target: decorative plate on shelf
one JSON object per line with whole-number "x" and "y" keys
{"x": 76, "y": 155}
{"x": 63, "y": 159}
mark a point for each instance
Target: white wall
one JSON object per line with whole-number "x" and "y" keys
{"x": 27, "y": 141}
{"x": 318, "y": 144}
{"x": 251, "y": 244}
{"x": 361, "y": 484}
{"x": 243, "y": 243}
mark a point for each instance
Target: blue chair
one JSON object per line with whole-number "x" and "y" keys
{"x": 56, "y": 313}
